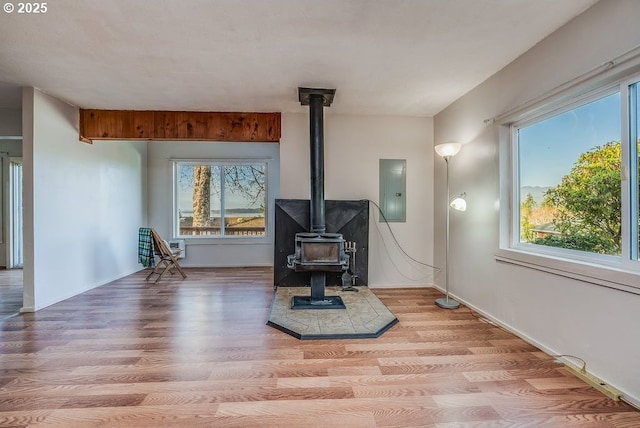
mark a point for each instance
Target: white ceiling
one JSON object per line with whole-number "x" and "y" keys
{"x": 396, "y": 57}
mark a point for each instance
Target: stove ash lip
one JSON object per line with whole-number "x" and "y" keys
{"x": 313, "y": 236}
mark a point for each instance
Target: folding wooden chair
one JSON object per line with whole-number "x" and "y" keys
{"x": 168, "y": 262}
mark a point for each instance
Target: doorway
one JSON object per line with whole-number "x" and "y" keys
{"x": 11, "y": 279}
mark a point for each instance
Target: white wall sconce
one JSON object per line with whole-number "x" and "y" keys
{"x": 459, "y": 203}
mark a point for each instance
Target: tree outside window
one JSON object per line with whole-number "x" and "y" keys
{"x": 587, "y": 204}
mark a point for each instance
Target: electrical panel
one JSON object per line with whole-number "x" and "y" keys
{"x": 393, "y": 190}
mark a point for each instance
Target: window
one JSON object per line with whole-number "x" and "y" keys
{"x": 220, "y": 198}
{"x": 575, "y": 179}
{"x": 569, "y": 178}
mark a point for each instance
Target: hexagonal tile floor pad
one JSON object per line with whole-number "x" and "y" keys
{"x": 365, "y": 315}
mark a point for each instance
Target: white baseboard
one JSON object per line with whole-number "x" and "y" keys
{"x": 185, "y": 265}
{"x": 374, "y": 286}
{"x": 633, "y": 401}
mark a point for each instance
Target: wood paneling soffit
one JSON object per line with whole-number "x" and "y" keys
{"x": 179, "y": 125}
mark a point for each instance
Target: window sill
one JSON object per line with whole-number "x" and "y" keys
{"x": 613, "y": 277}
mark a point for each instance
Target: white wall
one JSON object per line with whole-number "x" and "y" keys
{"x": 204, "y": 252}
{"x": 561, "y": 315}
{"x": 83, "y": 204}
{"x": 353, "y": 147}
{"x": 10, "y": 122}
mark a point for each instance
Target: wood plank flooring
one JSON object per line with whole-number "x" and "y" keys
{"x": 197, "y": 353}
{"x": 10, "y": 292}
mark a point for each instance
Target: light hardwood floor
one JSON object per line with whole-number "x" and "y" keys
{"x": 10, "y": 292}
{"x": 197, "y": 353}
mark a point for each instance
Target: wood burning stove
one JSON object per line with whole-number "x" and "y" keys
{"x": 317, "y": 252}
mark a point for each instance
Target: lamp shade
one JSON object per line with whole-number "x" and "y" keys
{"x": 448, "y": 149}
{"x": 459, "y": 203}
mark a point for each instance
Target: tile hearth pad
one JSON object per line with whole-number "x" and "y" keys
{"x": 365, "y": 315}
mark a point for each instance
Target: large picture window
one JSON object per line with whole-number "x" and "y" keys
{"x": 575, "y": 175}
{"x": 220, "y": 199}
{"x": 569, "y": 178}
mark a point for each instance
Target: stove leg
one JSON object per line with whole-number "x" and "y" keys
{"x": 317, "y": 300}
{"x": 318, "y": 283}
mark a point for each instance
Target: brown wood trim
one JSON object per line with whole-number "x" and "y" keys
{"x": 179, "y": 125}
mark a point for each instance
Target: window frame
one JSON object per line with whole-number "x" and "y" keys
{"x": 631, "y": 132}
{"x": 619, "y": 272}
{"x": 221, "y": 162}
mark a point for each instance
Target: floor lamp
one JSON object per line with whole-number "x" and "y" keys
{"x": 446, "y": 151}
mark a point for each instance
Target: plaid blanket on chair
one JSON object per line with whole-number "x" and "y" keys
{"x": 145, "y": 247}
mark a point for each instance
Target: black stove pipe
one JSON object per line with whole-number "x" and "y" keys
{"x": 316, "y": 120}
{"x": 316, "y": 99}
